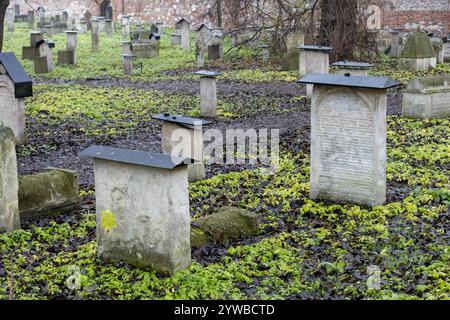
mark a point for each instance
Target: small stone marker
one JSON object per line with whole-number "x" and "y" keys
{"x": 31, "y": 52}
{"x": 190, "y": 131}
{"x": 314, "y": 59}
{"x": 9, "y": 183}
{"x": 395, "y": 44}
{"x": 44, "y": 62}
{"x": 155, "y": 43}
{"x": 101, "y": 24}
{"x": 142, "y": 209}
{"x": 128, "y": 63}
{"x": 95, "y": 34}
{"x": 348, "y": 137}
{"x": 418, "y": 54}
{"x": 294, "y": 40}
{"x": 69, "y": 55}
{"x": 265, "y": 49}
{"x": 208, "y": 93}
{"x": 109, "y": 28}
{"x": 30, "y": 19}
{"x": 427, "y": 97}
{"x": 183, "y": 27}
{"x": 125, "y": 28}
{"x": 10, "y": 19}
{"x": 353, "y": 68}
{"x": 41, "y": 13}
{"x": 15, "y": 85}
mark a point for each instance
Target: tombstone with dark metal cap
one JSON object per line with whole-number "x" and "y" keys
{"x": 43, "y": 63}
{"x": 208, "y": 92}
{"x": 183, "y": 136}
{"x": 15, "y": 85}
{"x": 348, "y": 137}
{"x": 142, "y": 209}
{"x": 314, "y": 59}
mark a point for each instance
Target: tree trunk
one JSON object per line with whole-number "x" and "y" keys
{"x": 219, "y": 14}
{"x": 3, "y": 6}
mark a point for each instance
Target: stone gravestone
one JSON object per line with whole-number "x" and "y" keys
{"x": 41, "y": 12}
{"x": 30, "y": 19}
{"x": 395, "y": 44}
{"x": 185, "y": 136}
{"x": 314, "y": 59}
{"x": 447, "y": 50}
{"x": 175, "y": 39}
{"x": 142, "y": 201}
{"x": 69, "y": 55}
{"x": 183, "y": 27}
{"x": 265, "y": 50}
{"x": 95, "y": 35}
{"x": 353, "y": 68}
{"x": 155, "y": 43}
{"x": 206, "y": 38}
{"x": 109, "y": 28}
{"x": 438, "y": 46}
{"x": 43, "y": 63}
{"x": 9, "y": 182}
{"x": 348, "y": 138}
{"x": 294, "y": 40}
{"x": 418, "y": 54}
{"x": 82, "y": 26}
{"x": 126, "y": 47}
{"x": 31, "y": 52}
{"x": 125, "y": 28}
{"x": 88, "y": 18}
{"x": 208, "y": 93}
{"x": 128, "y": 63}
{"x": 160, "y": 27}
{"x": 427, "y": 97}
{"x": 10, "y": 19}
{"x": 15, "y": 85}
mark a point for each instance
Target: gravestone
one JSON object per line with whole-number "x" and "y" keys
{"x": 15, "y": 85}
{"x": 348, "y": 138}
{"x": 64, "y": 17}
{"x": 101, "y": 24}
{"x": 88, "y": 18}
{"x": 314, "y": 59}
{"x": 175, "y": 39}
{"x": 9, "y": 183}
{"x": 185, "y": 136}
{"x": 94, "y": 34}
{"x": 128, "y": 63}
{"x": 144, "y": 49}
{"x": 447, "y": 51}
{"x": 82, "y": 26}
{"x": 395, "y": 44}
{"x": 208, "y": 93}
{"x": 427, "y": 97}
{"x": 126, "y": 47}
{"x": 44, "y": 62}
{"x": 41, "y": 13}
{"x": 109, "y": 28}
{"x": 142, "y": 202}
{"x": 265, "y": 50}
{"x": 353, "y": 68}
{"x": 68, "y": 56}
{"x": 10, "y": 19}
{"x": 31, "y": 52}
{"x": 30, "y": 19}
{"x": 418, "y": 54}
{"x": 155, "y": 43}
{"x": 206, "y": 38}
{"x": 183, "y": 27}
{"x": 125, "y": 28}
{"x": 294, "y": 40}
{"x": 159, "y": 27}
{"x": 438, "y": 46}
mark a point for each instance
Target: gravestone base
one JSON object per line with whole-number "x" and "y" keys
{"x": 66, "y": 57}
{"x": 426, "y": 106}
{"x": 41, "y": 65}
{"x": 422, "y": 64}
{"x": 29, "y": 53}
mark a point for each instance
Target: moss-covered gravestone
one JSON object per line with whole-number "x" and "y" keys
{"x": 9, "y": 185}
{"x": 418, "y": 54}
{"x": 290, "y": 60}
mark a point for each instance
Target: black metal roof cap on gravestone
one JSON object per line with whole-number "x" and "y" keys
{"x": 23, "y": 85}
{"x": 181, "y": 120}
{"x": 316, "y": 48}
{"x": 350, "y": 81}
{"x": 147, "y": 159}
{"x": 207, "y": 73}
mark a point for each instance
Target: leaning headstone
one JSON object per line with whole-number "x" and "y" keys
{"x": 10, "y": 19}
{"x": 208, "y": 93}
{"x": 185, "y": 135}
{"x": 438, "y": 46}
{"x": 30, "y": 19}
{"x": 418, "y": 54}
{"x": 427, "y": 97}
{"x": 353, "y": 68}
{"x": 348, "y": 138}
{"x": 183, "y": 27}
{"x": 9, "y": 185}
{"x": 294, "y": 40}
{"x": 314, "y": 59}
{"x": 15, "y": 85}
{"x": 49, "y": 193}
{"x": 142, "y": 201}
{"x": 31, "y": 52}
{"x": 94, "y": 34}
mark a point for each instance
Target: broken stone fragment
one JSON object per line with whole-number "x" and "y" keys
{"x": 48, "y": 193}
{"x": 227, "y": 224}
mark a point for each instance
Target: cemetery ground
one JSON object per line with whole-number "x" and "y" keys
{"x": 305, "y": 249}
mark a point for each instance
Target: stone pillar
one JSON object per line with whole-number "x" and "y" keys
{"x": 30, "y": 19}
{"x": 395, "y": 44}
{"x": 94, "y": 35}
{"x": 64, "y": 17}
{"x": 126, "y": 47}
{"x": 128, "y": 64}
{"x": 185, "y": 37}
{"x": 12, "y": 109}
{"x": 265, "y": 49}
{"x": 313, "y": 59}
{"x": 294, "y": 40}
{"x": 348, "y": 138}
{"x": 82, "y": 26}
{"x": 109, "y": 29}
{"x": 9, "y": 182}
{"x": 71, "y": 40}
{"x": 41, "y": 17}
{"x": 125, "y": 28}
{"x": 208, "y": 93}
{"x": 10, "y": 19}
{"x": 142, "y": 205}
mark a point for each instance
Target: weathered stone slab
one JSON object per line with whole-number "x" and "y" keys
{"x": 9, "y": 201}
{"x": 147, "y": 49}
{"x": 66, "y": 57}
{"x": 427, "y": 97}
{"x": 143, "y": 214}
{"x": 48, "y": 193}
{"x": 418, "y": 54}
{"x": 95, "y": 35}
{"x": 184, "y": 30}
{"x": 290, "y": 60}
